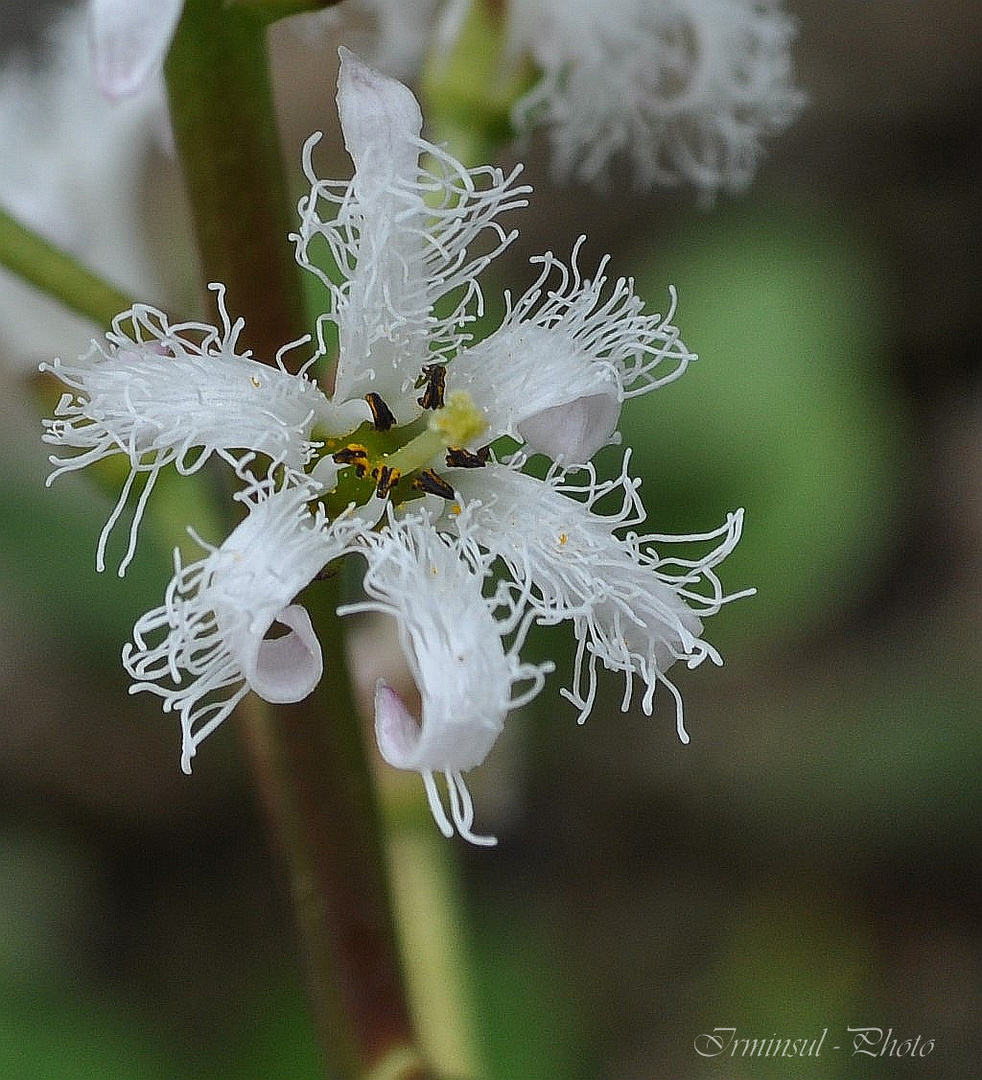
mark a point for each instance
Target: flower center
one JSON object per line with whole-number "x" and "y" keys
{"x": 388, "y": 460}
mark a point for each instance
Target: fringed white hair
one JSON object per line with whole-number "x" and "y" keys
{"x": 631, "y": 609}
{"x": 402, "y": 235}
{"x": 163, "y": 394}
{"x": 686, "y": 90}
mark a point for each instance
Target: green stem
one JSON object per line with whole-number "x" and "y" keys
{"x": 469, "y": 90}
{"x": 281, "y": 9}
{"x": 309, "y": 759}
{"x": 224, "y": 125}
{"x": 58, "y": 274}
{"x": 315, "y": 781}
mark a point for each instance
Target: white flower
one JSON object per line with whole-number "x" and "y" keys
{"x": 162, "y": 395}
{"x": 217, "y": 612}
{"x": 418, "y": 492}
{"x": 452, "y": 637}
{"x": 130, "y": 39}
{"x": 553, "y": 375}
{"x": 685, "y": 89}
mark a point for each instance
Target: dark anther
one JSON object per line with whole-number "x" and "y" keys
{"x": 458, "y": 458}
{"x": 432, "y": 484}
{"x": 434, "y": 378}
{"x": 386, "y": 479}
{"x": 353, "y": 455}
{"x": 382, "y": 416}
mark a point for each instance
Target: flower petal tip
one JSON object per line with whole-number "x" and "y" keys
{"x": 286, "y": 669}
{"x": 571, "y": 433}
{"x": 396, "y": 729}
{"x": 380, "y": 118}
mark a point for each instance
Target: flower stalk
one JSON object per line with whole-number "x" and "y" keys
{"x": 313, "y": 772}
{"x": 308, "y": 758}
{"x": 221, "y": 107}
{"x": 57, "y": 273}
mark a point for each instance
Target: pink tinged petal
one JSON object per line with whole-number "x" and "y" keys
{"x": 396, "y": 729}
{"x": 400, "y": 742}
{"x": 207, "y": 645}
{"x": 538, "y": 385}
{"x": 287, "y": 668}
{"x": 444, "y": 741}
{"x": 130, "y": 39}
{"x": 573, "y": 431}
{"x": 381, "y": 122}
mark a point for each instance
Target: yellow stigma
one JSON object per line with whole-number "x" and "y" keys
{"x": 459, "y": 422}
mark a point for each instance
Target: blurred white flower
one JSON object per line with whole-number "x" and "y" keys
{"x": 682, "y": 90}
{"x": 72, "y": 169}
{"x": 130, "y": 39}
{"x": 416, "y": 490}
{"x": 393, "y": 35}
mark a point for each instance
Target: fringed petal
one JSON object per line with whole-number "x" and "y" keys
{"x": 207, "y": 645}
{"x": 453, "y": 638}
{"x": 402, "y": 236}
{"x": 554, "y": 374}
{"x": 632, "y": 610}
{"x": 163, "y": 394}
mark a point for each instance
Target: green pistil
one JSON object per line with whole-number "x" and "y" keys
{"x": 380, "y": 457}
{"x": 458, "y": 423}
{"x": 416, "y": 454}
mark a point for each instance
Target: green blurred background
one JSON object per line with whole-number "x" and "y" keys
{"x": 811, "y": 861}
